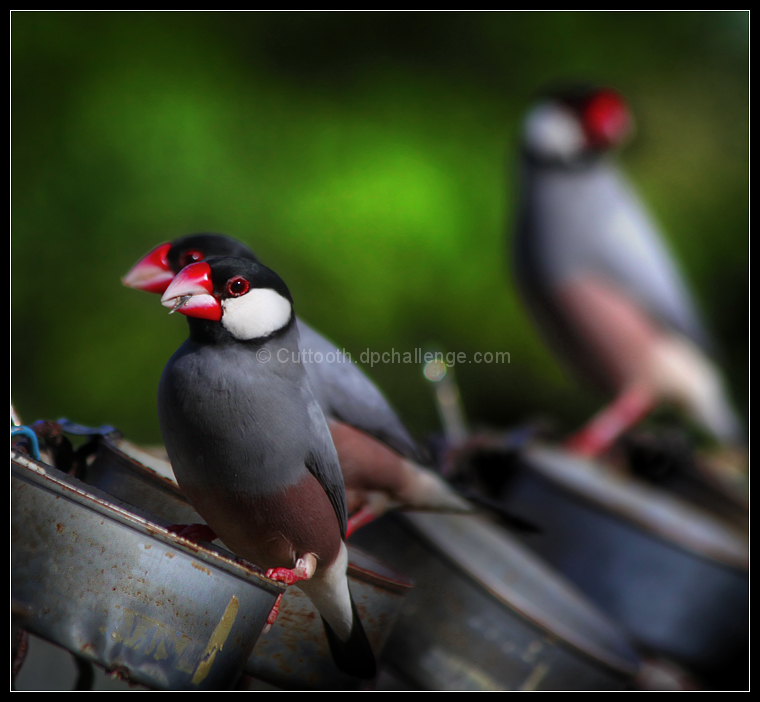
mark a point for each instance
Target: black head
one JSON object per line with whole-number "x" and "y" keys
{"x": 198, "y": 247}
{"x": 233, "y": 297}
{"x": 154, "y": 271}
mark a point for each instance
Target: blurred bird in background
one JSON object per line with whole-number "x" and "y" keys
{"x": 600, "y": 281}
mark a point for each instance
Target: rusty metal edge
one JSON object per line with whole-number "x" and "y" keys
{"x": 382, "y": 575}
{"x": 137, "y": 519}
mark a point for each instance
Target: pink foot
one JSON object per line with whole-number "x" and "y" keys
{"x": 284, "y": 575}
{"x": 193, "y": 532}
{"x": 304, "y": 569}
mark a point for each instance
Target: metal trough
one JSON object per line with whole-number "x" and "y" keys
{"x": 675, "y": 576}
{"x": 113, "y": 585}
{"x": 486, "y": 614}
{"x": 294, "y": 653}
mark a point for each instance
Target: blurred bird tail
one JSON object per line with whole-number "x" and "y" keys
{"x": 697, "y": 384}
{"x": 494, "y": 509}
{"x": 426, "y": 490}
{"x": 719, "y": 418}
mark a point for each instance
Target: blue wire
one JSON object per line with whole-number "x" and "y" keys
{"x": 29, "y": 434}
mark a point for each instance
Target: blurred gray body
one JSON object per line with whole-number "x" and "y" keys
{"x": 586, "y": 221}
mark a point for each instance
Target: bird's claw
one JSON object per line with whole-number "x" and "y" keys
{"x": 283, "y": 575}
{"x": 305, "y": 568}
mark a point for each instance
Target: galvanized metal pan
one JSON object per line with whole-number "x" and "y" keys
{"x": 294, "y": 653}
{"x": 486, "y": 614}
{"x": 674, "y": 575}
{"x": 113, "y": 585}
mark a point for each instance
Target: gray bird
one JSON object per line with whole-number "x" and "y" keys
{"x": 379, "y": 459}
{"x": 598, "y": 278}
{"x": 249, "y": 444}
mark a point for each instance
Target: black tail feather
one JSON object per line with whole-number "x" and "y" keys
{"x": 354, "y": 656}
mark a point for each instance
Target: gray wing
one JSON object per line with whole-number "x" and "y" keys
{"x": 591, "y": 221}
{"x": 346, "y": 394}
{"x": 322, "y": 462}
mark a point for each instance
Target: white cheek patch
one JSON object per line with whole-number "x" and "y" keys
{"x": 553, "y": 131}
{"x": 258, "y": 313}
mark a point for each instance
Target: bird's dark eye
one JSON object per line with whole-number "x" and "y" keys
{"x": 237, "y": 286}
{"x": 190, "y": 256}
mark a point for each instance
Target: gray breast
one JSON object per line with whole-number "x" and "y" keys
{"x": 228, "y": 417}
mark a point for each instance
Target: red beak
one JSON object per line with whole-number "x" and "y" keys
{"x": 192, "y": 293}
{"x": 607, "y": 119}
{"x": 151, "y": 273}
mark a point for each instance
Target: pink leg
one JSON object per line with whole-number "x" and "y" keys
{"x": 272, "y": 618}
{"x": 358, "y": 519}
{"x": 194, "y": 532}
{"x": 604, "y": 428}
{"x": 304, "y": 569}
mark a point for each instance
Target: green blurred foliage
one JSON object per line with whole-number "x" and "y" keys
{"x": 369, "y": 158}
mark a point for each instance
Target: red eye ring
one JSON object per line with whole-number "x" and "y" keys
{"x": 237, "y": 286}
{"x": 191, "y": 256}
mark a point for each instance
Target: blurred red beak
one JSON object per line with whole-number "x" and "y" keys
{"x": 151, "y": 273}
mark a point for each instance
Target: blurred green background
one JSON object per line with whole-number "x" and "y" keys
{"x": 367, "y": 157}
